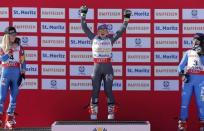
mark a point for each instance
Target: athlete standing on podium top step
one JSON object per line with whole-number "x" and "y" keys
{"x": 102, "y": 53}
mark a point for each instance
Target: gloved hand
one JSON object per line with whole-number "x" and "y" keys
{"x": 23, "y": 75}
{"x": 10, "y": 52}
{"x": 185, "y": 77}
{"x": 127, "y": 14}
{"x": 83, "y": 10}
{"x": 17, "y": 41}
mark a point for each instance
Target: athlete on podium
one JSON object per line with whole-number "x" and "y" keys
{"x": 191, "y": 69}
{"x": 102, "y": 43}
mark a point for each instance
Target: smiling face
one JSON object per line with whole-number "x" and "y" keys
{"x": 102, "y": 33}
{"x": 198, "y": 46}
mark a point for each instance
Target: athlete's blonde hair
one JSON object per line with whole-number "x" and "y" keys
{"x": 5, "y": 44}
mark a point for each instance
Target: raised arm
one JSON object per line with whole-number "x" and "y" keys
{"x": 118, "y": 34}
{"x": 83, "y": 12}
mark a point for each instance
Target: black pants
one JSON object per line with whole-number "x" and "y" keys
{"x": 102, "y": 71}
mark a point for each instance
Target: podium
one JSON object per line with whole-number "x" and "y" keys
{"x": 100, "y": 126}
{"x": 28, "y": 129}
